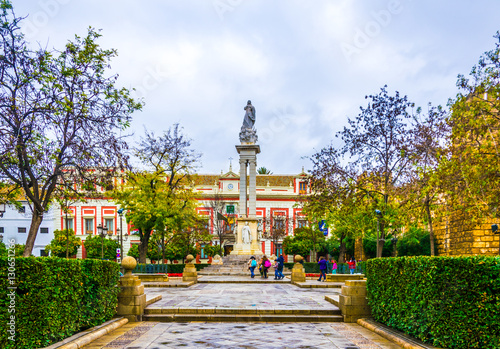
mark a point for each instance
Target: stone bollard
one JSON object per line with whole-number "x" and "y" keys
{"x": 189, "y": 273}
{"x": 298, "y": 271}
{"x": 353, "y": 302}
{"x": 131, "y": 299}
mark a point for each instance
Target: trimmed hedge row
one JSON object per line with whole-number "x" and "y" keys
{"x": 313, "y": 268}
{"x": 165, "y": 268}
{"x": 452, "y": 302}
{"x": 54, "y": 298}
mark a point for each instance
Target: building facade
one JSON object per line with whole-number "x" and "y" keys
{"x": 278, "y": 199}
{"x": 15, "y": 225}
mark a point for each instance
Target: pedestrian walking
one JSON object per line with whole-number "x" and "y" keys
{"x": 260, "y": 263}
{"x": 322, "y": 268}
{"x": 352, "y": 265}
{"x": 281, "y": 264}
{"x": 276, "y": 266}
{"x": 252, "y": 264}
{"x": 266, "y": 264}
{"x": 334, "y": 266}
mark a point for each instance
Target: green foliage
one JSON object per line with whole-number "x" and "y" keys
{"x": 450, "y": 302}
{"x": 415, "y": 243}
{"x": 134, "y": 251}
{"x": 60, "y": 296}
{"x": 94, "y": 245}
{"x": 57, "y": 246}
{"x": 370, "y": 247}
{"x": 305, "y": 239}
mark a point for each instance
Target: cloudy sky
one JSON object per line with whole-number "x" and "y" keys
{"x": 306, "y": 65}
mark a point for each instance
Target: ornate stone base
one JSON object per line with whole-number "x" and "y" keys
{"x": 298, "y": 273}
{"x": 189, "y": 273}
{"x": 247, "y": 249}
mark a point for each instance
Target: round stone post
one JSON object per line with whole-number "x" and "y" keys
{"x": 189, "y": 273}
{"x": 298, "y": 271}
{"x": 131, "y": 299}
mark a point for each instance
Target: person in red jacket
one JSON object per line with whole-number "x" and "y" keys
{"x": 352, "y": 265}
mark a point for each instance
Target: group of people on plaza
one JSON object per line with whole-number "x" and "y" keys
{"x": 325, "y": 265}
{"x": 264, "y": 264}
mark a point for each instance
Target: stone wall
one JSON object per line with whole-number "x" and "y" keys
{"x": 456, "y": 235}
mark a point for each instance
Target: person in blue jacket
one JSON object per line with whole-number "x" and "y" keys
{"x": 322, "y": 268}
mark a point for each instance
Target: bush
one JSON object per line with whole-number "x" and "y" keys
{"x": 97, "y": 246}
{"x": 57, "y": 246}
{"x": 416, "y": 243}
{"x": 55, "y": 298}
{"x": 452, "y": 302}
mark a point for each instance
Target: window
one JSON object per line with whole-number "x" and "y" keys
{"x": 202, "y": 252}
{"x": 21, "y": 230}
{"x": 89, "y": 225}
{"x": 22, "y": 209}
{"x": 301, "y": 223}
{"x": 44, "y": 230}
{"x": 302, "y": 187}
{"x": 109, "y": 223}
{"x": 43, "y": 253}
{"x": 1, "y": 230}
{"x": 70, "y": 224}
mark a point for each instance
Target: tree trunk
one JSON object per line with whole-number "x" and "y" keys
{"x": 429, "y": 217}
{"x": 143, "y": 246}
{"x": 342, "y": 249}
{"x": 36, "y": 220}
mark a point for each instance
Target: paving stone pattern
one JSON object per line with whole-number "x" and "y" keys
{"x": 266, "y": 296}
{"x": 251, "y": 336}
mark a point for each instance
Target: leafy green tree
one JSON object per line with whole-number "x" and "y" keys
{"x": 415, "y": 243}
{"x": 60, "y": 113}
{"x": 303, "y": 241}
{"x": 471, "y": 174}
{"x": 264, "y": 171}
{"x": 159, "y": 198}
{"x": 133, "y": 251}
{"x": 95, "y": 245}
{"x": 64, "y": 243}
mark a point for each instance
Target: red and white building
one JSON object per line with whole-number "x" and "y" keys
{"x": 277, "y": 195}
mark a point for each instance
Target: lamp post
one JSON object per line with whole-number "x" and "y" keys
{"x": 378, "y": 214}
{"x": 494, "y": 230}
{"x": 102, "y": 233}
{"x": 120, "y": 212}
{"x": 394, "y": 243}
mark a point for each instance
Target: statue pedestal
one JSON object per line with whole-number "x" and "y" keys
{"x": 247, "y": 249}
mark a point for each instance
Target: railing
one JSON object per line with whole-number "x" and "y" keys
{"x": 150, "y": 268}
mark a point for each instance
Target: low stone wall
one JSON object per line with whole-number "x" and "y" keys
{"x": 352, "y": 301}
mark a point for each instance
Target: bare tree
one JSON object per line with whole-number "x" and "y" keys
{"x": 58, "y": 111}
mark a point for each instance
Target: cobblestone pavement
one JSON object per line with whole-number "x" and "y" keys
{"x": 267, "y": 296}
{"x": 151, "y": 335}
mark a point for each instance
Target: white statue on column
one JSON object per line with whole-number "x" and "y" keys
{"x": 246, "y": 234}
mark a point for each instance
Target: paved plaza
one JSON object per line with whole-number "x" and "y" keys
{"x": 202, "y": 297}
{"x": 243, "y": 296}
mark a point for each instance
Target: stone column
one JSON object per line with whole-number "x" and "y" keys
{"x": 298, "y": 271}
{"x": 243, "y": 187}
{"x": 131, "y": 299}
{"x": 352, "y": 301}
{"x": 189, "y": 273}
{"x": 252, "y": 188}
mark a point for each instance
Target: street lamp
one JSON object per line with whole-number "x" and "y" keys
{"x": 120, "y": 212}
{"x": 494, "y": 230}
{"x": 378, "y": 214}
{"x": 2, "y": 210}
{"x": 102, "y": 231}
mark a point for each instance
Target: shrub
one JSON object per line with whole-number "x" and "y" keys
{"x": 97, "y": 246}
{"x": 55, "y": 298}
{"x": 452, "y": 302}
{"x": 57, "y": 246}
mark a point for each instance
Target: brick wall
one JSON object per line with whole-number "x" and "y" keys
{"x": 456, "y": 235}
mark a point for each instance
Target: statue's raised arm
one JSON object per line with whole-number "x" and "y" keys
{"x": 249, "y": 119}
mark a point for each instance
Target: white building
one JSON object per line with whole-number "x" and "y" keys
{"x": 15, "y": 225}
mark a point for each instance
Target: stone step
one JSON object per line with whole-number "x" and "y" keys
{"x": 252, "y": 281}
{"x": 241, "y": 318}
{"x": 239, "y": 311}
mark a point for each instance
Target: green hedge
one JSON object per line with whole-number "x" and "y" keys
{"x": 452, "y": 302}
{"x": 56, "y": 298}
{"x": 313, "y": 268}
{"x": 165, "y": 268}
